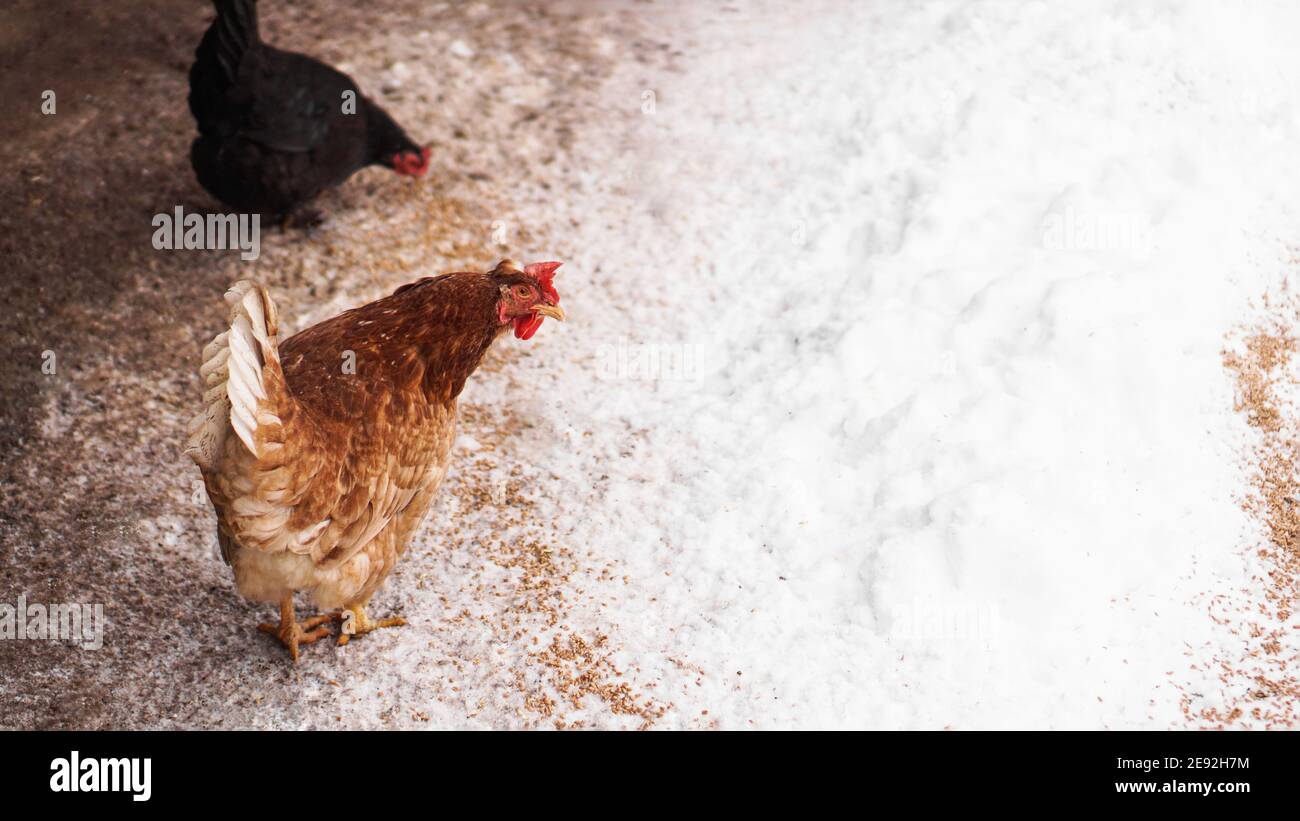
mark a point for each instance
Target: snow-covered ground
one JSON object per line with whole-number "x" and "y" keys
{"x": 955, "y": 446}
{"x": 891, "y": 396}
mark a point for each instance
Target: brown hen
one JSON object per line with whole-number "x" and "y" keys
{"x": 321, "y": 454}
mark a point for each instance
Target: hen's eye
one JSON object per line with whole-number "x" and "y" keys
{"x": 523, "y": 292}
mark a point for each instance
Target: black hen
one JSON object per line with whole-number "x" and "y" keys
{"x": 277, "y": 128}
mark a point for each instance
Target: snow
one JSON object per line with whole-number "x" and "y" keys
{"x": 965, "y": 455}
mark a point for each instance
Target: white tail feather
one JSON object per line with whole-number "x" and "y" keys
{"x": 232, "y": 375}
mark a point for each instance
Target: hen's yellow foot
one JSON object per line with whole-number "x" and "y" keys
{"x": 293, "y": 633}
{"x": 357, "y": 623}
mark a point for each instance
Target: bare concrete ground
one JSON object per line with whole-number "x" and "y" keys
{"x": 97, "y": 504}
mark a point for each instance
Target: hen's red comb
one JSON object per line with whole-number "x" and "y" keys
{"x": 411, "y": 163}
{"x": 544, "y": 273}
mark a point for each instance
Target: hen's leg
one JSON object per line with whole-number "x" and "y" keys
{"x": 290, "y": 632}
{"x": 359, "y": 624}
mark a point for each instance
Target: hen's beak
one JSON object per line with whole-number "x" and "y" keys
{"x": 553, "y": 311}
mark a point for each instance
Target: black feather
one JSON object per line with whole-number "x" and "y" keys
{"x": 273, "y": 132}
{"x": 236, "y": 31}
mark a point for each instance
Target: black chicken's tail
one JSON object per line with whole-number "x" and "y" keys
{"x": 234, "y": 32}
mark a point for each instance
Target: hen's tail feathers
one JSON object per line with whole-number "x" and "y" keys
{"x": 240, "y": 367}
{"x": 236, "y": 30}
